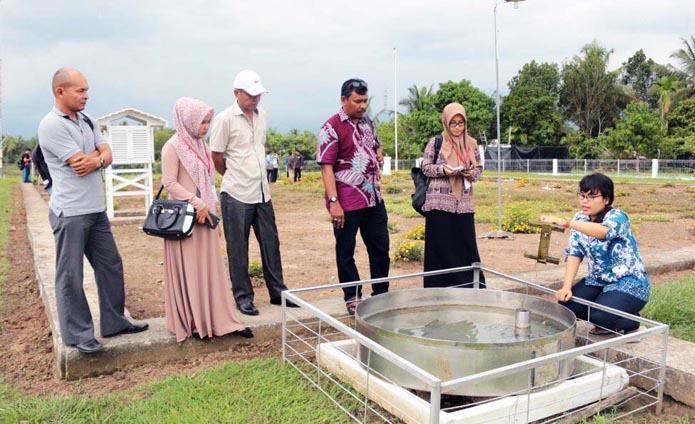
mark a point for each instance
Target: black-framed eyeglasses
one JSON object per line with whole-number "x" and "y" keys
{"x": 454, "y": 124}
{"x": 588, "y": 197}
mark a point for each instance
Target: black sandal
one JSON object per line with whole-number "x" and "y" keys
{"x": 246, "y": 333}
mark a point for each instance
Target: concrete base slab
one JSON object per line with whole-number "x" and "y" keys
{"x": 594, "y": 383}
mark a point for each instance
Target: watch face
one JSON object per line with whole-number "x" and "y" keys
{"x": 333, "y": 199}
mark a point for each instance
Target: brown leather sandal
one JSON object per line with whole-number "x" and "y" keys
{"x": 351, "y": 305}
{"x": 598, "y": 331}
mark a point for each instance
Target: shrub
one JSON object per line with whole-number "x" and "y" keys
{"x": 393, "y": 189}
{"x": 417, "y": 233}
{"x": 409, "y": 250}
{"x": 523, "y": 182}
{"x": 256, "y": 272}
{"x": 690, "y": 189}
{"x": 515, "y": 220}
{"x": 392, "y": 227}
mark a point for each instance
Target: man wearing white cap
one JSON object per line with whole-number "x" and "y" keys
{"x": 237, "y": 143}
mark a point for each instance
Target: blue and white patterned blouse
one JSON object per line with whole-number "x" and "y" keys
{"x": 614, "y": 263}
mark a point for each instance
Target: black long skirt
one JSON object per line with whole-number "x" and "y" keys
{"x": 450, "y": 242}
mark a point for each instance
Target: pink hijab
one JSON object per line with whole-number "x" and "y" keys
{"x": 465, "y": 144}
{"x": 192, "y": 151}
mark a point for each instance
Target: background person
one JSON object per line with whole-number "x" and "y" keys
{"x": 238, "y": 150}
{"x": 450, "y": 239}
{"x": 349, "y": 153}
{"x": 26, "y": 169}
{"x": 196, "y": 296}
{"x": 75, "y": 154}
{"x": 291, "y": 159}
{"x": 617, "y": 277}
{"x": 298, "y": 163}
{"x": 271, "y": 164}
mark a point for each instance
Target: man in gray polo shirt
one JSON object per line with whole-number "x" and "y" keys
{"x": 75, "y": 154}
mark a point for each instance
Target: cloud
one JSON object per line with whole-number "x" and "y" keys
{"x": 146, "y": 54}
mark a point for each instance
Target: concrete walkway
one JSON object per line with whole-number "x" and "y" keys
{"x": 157, "y": 344}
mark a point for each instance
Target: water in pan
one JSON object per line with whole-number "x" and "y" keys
{"x": 463, "y": 323}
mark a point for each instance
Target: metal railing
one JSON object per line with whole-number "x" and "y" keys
{"x": 313, "y": 341}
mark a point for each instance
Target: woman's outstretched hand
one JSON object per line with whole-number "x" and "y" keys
{"x": 549, "y": 219}
{"x": 563, "y": 295}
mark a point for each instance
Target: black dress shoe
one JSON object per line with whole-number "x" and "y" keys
{"x": 248, "y": 309}
{"x": 90, "y": 346}
{"x": 246, "y": 333}
{"x": 288, "y": 303}
{"x": 131, "y": 329}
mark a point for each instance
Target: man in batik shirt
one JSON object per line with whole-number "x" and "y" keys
{"x": 349, "y": 153}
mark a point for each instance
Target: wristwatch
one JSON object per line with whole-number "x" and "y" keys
{"x": 101, "y": 162}
{"x": 333, "y": 199}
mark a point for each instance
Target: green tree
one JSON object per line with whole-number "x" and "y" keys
{"x": 680, "y": 142}
{"x": 305, "y": 142}
{"x": 686, "y": 57}
{"x": 583, "y": 147}
{"x": 532, "y": 106}
{"x": 638, "y": 133}
{"x": 639, "y": 73}
{"x": 417, "y": 98}
{"x": 588, "y": 94}
{"x": 160, "y": 137}
{"x": 14, "y": 147}
{"x": 406, "y": 148}
{"x": 666, "y": 88}
{"x": 479, "y": 106}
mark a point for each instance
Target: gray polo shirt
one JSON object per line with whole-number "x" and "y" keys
{"x": 61, "y": 138}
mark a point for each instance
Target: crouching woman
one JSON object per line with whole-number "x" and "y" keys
{"x": 617, "y": 278}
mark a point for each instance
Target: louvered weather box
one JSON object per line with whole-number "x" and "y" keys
{"x": 130, "y": 133}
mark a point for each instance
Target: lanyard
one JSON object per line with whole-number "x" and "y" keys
{"x": 456, "y": 150}
{"x": 207, "y": 164}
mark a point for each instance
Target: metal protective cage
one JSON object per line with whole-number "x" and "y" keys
{"x": 613, "y": 374}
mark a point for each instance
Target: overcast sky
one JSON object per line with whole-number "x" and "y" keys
{"x": 145, "y": 54}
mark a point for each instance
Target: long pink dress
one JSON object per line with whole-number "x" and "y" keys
{"x": 197, "y": 292}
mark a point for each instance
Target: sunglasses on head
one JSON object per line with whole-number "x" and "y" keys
{"x": 357, "y": 84}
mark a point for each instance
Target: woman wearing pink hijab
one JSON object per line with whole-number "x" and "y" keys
{"x": 197, "y": 298}
{"x": 449, "y": 225}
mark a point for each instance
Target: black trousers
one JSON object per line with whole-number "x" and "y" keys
{"x": 371, "y": 222}
{"x": 238, "y": 219}
{"x": 297, "y": 174}
{"x": 613, "y": 299}
{"x": 449, "y": 243}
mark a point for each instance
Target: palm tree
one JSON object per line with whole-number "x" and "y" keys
{"x": 417, "y": 98}
{"x": 686, "y": 57}
{"x": 667, "y": 88}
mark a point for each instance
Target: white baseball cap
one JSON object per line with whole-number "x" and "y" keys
{"x": 250, "y": 82}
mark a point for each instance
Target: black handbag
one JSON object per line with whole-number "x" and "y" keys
{"x": 169, "y": 219}
{"x": 421, "y": 181}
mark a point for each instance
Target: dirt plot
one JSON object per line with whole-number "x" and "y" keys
{"x": 27, "y": 360}
{"x": 307, "y": 243}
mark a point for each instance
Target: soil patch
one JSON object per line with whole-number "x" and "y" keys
{"x": 307, "y": 244}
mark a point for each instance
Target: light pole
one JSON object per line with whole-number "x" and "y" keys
{"x": 395, "y": 104}
{"x": 499, "y": 234}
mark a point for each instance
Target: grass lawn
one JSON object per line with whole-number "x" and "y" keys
{"x": 674, "y": 304}
{"x": 256, "y": 391}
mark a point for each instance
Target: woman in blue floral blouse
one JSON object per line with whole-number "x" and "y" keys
{"x": 617, "y": 278}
